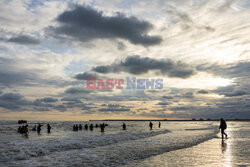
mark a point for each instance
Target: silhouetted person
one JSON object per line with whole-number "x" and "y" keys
{"x": 86, "y": 127}
{"x": 91, "y": 127}
{"x": 223, "y": 126}
{"x": 102, "y": 126}
{"x": 25, "y": 129}
{"x": 96, "y": 125}
{"x": 19, "y": 129}
{"x": 48, "y": 128}
{"x": 39, "y": 128}
{"x": 76, "y": 127}
{"x": 151, "y": 125}
{"x": 159, "y": 124}
{"x": 124, "y": 126}
{"x": 80, "y": 126}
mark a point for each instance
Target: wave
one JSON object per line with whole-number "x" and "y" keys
{"x": 22, "y": 150}
{"x": 200, "y": 129}
{"x": 102, "y": 150}
{"x": 120, "y": 153}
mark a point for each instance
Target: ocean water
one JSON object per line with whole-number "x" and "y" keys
{"x": 174, "y": 144}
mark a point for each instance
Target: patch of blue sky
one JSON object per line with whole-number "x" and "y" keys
{"x": 77, "y": 66}
{"x": 56, "y": 47}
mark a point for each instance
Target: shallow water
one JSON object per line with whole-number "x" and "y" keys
{"x": 133, "y": 147}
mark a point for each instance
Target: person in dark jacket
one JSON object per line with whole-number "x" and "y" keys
{"x": 223, "y": 126}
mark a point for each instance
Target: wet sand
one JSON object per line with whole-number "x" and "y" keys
{"x": 234, "y": 151}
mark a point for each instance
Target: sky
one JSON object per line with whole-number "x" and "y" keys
{"x": 198, "y": 48}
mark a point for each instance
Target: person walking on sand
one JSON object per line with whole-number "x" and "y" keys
{"x": 223, "y": 126}
{"x": 151, "y": 125}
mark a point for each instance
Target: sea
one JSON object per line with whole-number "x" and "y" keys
{"x": 175, "y": 143}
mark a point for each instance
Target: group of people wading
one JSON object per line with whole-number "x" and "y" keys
{"x": 77, "y": 127}
{"x": 25, "y": 130}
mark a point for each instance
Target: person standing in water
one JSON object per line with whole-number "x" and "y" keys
{"x": 102, "y": 126}
{"x": 48, "y": 128}
{"x": 124, "y": 126}
{"x": 39, "y": 128}
{"x": 151, "y": 125}
{"x": 159, "y": 124}
{"x": 223, "y": 126}
{"x": 80, "y": 126}
{"x": 91, "y": 126}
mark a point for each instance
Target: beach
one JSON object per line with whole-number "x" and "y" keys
{"x": 188, "y": 143}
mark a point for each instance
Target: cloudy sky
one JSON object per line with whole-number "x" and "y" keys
{"x": 199, "y": 48}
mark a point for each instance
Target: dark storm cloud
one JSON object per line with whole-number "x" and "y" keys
{"x": 241, "y": 69}
{"x": 84, "y": 24}
{"x": 203, "y": 92}
{"x": 167, "y": 97}
{"x": 188, "y": 95}
{"x": 163, "y": 103}
{"x": 113, "y": 109}
{"x": 85, "y": 75}
{"x": 17, "y": 102}
{"x": 139, "y": 65}
{"x": 12, "y": 74}
{"x": 13, "y": 101}
{"x": 76, "y": 90}
{"x": 60, "y": 108}
{"x": 24, "y": 40}
{"x": 9, "y": 78}
{"x": 71, "y": 99}
{"x": 235, "y": 93}
{"x": 48, "y": 100}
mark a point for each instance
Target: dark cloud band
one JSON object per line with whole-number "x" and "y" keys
{"x": 85, "y": 24}
{"x": 139, "y": 65}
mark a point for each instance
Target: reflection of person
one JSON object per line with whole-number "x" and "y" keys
{"x": 223, "y": 126}
{"x": 223, "y": 146}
